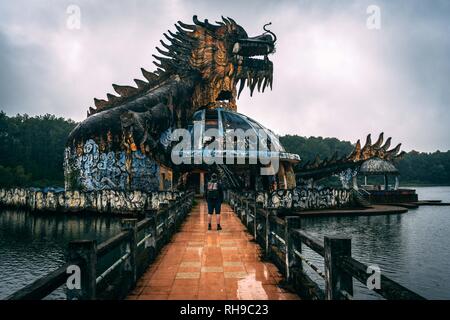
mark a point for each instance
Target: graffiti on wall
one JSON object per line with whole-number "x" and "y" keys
{"x": 92, "y": 170}
{"x": 106, "y": 201}
{"x": 309, "y": 199}
{"x": 346, "y": 177}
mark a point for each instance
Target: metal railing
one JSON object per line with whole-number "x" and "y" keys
{"x": 282, "y": 238}
{"x": 132, "y": 251}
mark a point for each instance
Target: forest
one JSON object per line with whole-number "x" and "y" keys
{"x": 32, "y": 151}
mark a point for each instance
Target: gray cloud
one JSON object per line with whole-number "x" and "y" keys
{"x": 333, "y": 76}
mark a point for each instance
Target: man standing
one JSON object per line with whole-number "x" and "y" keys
{"x": 214, "y": 198}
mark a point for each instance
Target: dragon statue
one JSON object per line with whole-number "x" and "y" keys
{"x": 318, "y": 169}
{"x": 123, "y": 142}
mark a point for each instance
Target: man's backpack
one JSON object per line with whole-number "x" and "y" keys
{"x": 213, "y": 190}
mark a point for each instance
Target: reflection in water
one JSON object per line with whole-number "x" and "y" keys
{"x": 32, "y": 245}
{"x": 411, "y": 248}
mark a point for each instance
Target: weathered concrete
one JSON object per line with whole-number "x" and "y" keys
{"x": 106, "y": 201}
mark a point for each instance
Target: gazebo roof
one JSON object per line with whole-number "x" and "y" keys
{"x": 376, "y": 166}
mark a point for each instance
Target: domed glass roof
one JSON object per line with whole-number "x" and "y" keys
{"x": 223, "y": 124}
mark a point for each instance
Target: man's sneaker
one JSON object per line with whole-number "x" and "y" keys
{"x": 209, "y": 226}
{"x": 219, "y": 227}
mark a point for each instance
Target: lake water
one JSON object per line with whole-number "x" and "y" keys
{"x": 32, "y": 245}
{"x": 411, "y": 248}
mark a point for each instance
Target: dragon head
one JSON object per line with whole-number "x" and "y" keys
{"x": 216, "y": 57}
{"x": 223, "y": 55}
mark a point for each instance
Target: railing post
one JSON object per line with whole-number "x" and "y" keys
{"x": 164, "y": 214}
{"x": 336, "y": 280}
{"x": 172, "y": 215}
{"x": 267, "y": 233}
{"x": 86, "y": 251}
{"x": 255, "y": 220}
{"x": 292, "y": 260}
{"x": 129, "y": 225}
{"x": 151, "y": 229}
{"x": 247, "y": 213}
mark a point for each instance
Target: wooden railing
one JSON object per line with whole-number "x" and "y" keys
{"x": 111, "y": 269}
{"x": 281, "y": 237}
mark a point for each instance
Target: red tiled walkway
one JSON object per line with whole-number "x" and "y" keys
{"x": 202, "y": 264}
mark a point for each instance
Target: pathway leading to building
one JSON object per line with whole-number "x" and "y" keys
{"x": 214, "y": 265}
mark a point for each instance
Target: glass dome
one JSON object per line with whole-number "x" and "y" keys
{"x": 224, "y": 125}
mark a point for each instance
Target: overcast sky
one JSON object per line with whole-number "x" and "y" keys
{"x": 333, "y": 77}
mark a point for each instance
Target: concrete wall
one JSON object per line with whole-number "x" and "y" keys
{"x": 304, "y": 198}
{"x": 106, "y": 201}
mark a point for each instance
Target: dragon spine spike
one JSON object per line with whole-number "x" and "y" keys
{"x": 186, "y": 26}
{"x": 141, "y": 84}
{"x": 379, "y": 142}
{"x": 387, "y": 144}
{"x": 225, "y": 20}
{"x": 166, "y": 53}
{"x": 99, "y": 103}
{"x": 124, "y": 91}
{"x": 232, "y": 21}
{"x": 368, "y": 141}
{"x": 112, "y": 98}
{"x": 394, "y": 151}
{"x": 150, "y": 76}
{"x": 165, "y": 45}
{"x": 181, "y": 31}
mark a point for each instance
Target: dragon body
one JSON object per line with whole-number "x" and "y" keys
{"x": 123, "y": 142}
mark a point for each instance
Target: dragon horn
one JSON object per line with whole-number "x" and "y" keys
{"x": 270, "y": 32}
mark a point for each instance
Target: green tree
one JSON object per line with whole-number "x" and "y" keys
{"x": 32, "y": 149}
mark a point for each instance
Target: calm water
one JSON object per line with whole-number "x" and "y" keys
{"x": 32, "y": 245}
{"x": 411, "y": 248}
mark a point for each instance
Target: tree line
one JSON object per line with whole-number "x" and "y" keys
{"x": 416, "y": 168}
{"x": 32, "y": 152}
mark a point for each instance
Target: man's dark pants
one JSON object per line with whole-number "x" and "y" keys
{"x": 214, "y": 205}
